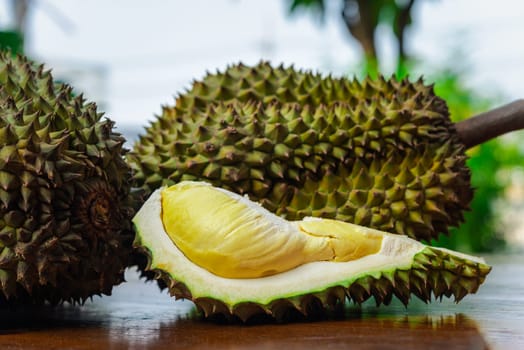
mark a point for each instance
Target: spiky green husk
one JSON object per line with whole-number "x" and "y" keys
{"x": 65, "y": 231}
{"x": 267, "y": 84}
{"x": 377, "y": 153}
{"x": 434, "y": 273}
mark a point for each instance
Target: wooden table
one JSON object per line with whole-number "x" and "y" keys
{"x": 139, "y": 316}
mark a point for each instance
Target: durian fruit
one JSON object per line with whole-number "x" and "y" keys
{"x": 378, "y": 153}
{"x": 232, "y": 257}
{"x": 65, "y": 212}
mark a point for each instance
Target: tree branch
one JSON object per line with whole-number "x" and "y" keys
{"x": 361, "y": 19}
{"x": 488, "y": 125}
{"x": 402, "y": 21}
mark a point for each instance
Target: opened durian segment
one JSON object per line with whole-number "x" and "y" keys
{"x": 233, "y": 237}
{"x": 396, "y": 252}
{"x": 401, "y": 267}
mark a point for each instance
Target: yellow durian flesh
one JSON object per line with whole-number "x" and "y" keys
{"x": 347, "y": 241}
{"x": 234, "y": 238}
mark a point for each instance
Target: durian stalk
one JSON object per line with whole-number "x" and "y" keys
{"x": 486, "y": 126}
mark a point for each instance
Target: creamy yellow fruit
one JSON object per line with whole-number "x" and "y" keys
{"x": 235, "y": 238}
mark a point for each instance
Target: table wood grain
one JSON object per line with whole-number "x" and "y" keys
{"x": 139, "y": 316}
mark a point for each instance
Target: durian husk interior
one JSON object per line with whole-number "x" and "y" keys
{"x": 65, "y": 211}
{"x": 378, "y": 153}
{"x": 232, "y": 257}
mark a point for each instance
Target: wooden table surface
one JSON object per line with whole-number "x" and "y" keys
{"x": 139, "y": 316}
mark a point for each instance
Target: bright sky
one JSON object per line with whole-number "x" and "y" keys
{"x": 133, "y": 56}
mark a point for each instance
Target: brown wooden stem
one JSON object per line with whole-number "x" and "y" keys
{"x": 488, "y": 125}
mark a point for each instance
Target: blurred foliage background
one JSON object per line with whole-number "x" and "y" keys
{"x": 482, "y": 230}
{"x": 491, "y": 163}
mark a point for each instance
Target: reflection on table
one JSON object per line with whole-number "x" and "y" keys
{"x": 139, "y": 316}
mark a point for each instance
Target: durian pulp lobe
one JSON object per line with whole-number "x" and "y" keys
{"x": 234, "y": 238}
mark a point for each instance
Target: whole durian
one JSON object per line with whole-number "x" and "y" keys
{"x": 65, "y": 230}
{"x": 232, "y": 257}
{"x": 379, "y": 153}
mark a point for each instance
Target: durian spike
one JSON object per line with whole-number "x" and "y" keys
{"x": 488, "y": 125}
